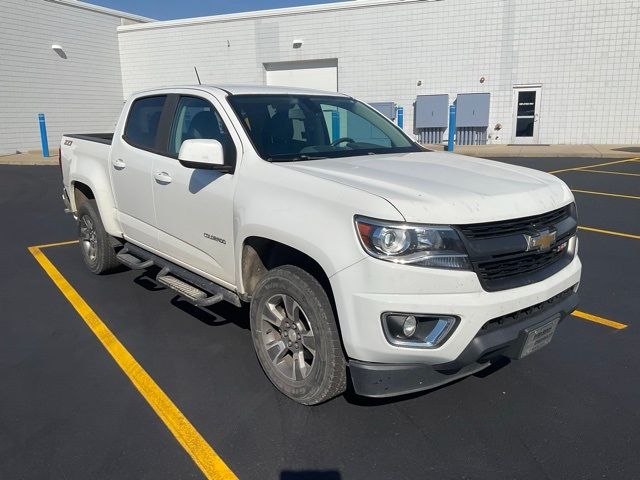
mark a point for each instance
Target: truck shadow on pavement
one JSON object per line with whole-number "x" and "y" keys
{"x": 223, "y": 314}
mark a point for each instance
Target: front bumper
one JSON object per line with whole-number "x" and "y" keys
{"x": 367, "y": 289}
{"x": 500, "y": 337}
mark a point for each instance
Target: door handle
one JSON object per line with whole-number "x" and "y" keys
{"x": 118, "y": 164}
{"x": 163, "y": 177}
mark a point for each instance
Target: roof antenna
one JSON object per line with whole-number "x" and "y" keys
{"x": 197, "y": 76}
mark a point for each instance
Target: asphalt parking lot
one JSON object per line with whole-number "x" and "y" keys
{"x": 67, "y": 409}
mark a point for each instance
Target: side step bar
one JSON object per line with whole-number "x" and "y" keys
{"x": 134, "y": 263}
{"x": 192, "y": 287}
{"x": 189, "y": 292}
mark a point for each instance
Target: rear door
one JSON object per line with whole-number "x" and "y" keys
{"x": 194, "y": 207}
{"x": 131, "y": 166}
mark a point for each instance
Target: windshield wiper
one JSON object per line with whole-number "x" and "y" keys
{"x": 297, "y": 158}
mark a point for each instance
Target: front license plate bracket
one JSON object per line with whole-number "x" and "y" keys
{"x": 538, "y": 336}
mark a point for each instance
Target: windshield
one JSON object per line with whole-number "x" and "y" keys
{"x": 308, "y": 127}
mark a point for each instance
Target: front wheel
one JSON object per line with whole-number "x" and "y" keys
{"x": 295, "y": 336}
{"x": 95, "y": 243}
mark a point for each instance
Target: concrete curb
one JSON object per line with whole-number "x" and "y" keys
{"x": 43, "y": 161}
{"x": 544, "y": 151}
{"x": 30, "y": 158}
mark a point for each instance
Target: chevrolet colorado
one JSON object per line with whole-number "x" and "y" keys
{"x": 361, "y": 253}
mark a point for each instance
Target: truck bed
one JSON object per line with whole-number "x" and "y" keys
{"x": 105, "y": 138}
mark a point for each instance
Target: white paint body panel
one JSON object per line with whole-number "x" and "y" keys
{"x": 132, "y": 187}
{"x": 310, "y": 206}
{"x": 439, "y": 187}
{"x": 195, "y": 203}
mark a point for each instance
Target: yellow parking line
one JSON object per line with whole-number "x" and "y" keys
{"x": 618, "y": 195}
{"x": 595, "y": 165}
{"x": 610, "y": 232}
{"x": 59, "y": 244}
{"x": 211, "y": 465}
{"x": 600, "y": 320}
{"x": 612, "y": 173}
{"x": 209, "y": 462}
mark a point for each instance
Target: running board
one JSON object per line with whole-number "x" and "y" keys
{"x": 189, "y": 292}
{"x": 194, "y": 288}
{"x": 132, "y": 261}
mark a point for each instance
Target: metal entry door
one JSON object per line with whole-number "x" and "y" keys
{"x": 526, "y": 114}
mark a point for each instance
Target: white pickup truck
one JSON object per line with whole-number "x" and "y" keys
{"x": 361, "y": 253}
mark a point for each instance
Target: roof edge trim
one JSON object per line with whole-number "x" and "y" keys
{"x": 277, "y": 12}
{"x": 103, "y": 10}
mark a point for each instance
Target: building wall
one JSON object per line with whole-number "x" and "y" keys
{"x": 81, "y": 93}
{"x": 584, "y": 53}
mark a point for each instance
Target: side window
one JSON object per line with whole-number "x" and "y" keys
{"x": 142, "y": 125}
{"x": 197, "y": 118}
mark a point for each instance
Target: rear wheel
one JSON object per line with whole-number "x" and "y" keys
{"x": 95, "y": 243}
{"x": 295, "y": 336}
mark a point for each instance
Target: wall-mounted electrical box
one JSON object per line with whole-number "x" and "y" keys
{"x": 388, "y": 109}
{"x": 472, "y": 110}
{"x": 432, "y": 111}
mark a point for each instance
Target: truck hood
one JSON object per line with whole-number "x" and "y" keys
{"x": 445, "y": 188}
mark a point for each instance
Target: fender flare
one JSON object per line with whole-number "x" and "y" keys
{"x": 104, "y": 201}
{"x": 287, "y": 239}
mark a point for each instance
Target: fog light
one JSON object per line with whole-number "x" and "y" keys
{"x": 409, "y": 326}
{"x": 418, "y": 330}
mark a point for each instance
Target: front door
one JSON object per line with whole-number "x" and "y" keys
{"x": 526, "y": 114}
{"x": 194, "y": 207}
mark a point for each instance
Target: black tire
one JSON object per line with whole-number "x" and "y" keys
{"x": 326, "y": 375}
{"x": 96, "y": 248}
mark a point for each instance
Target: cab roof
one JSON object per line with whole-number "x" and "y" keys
{"x": 242, "y": 89}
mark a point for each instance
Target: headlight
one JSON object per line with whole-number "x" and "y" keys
{"x": 421, "y": 245}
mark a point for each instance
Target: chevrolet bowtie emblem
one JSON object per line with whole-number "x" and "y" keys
{"x": 540, "y": 240}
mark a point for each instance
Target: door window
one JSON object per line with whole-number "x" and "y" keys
{"x": 526, "y": 114}
{"x": 141, "y": 129}
{"x": 197, "y": 118}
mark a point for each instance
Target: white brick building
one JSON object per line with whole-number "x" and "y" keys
{"x": 81, "y": 92}
{"x": 580, "y": 57}
{"x": 583, "y": 55}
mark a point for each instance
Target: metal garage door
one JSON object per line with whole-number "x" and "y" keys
{"x": 317, "y": 74}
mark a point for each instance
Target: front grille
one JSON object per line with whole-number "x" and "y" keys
{"x": 498, "y": 250}
{"x": 519, "y": 225}
{"x": 520, "y": 264}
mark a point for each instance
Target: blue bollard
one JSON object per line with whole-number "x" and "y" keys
{"x": 43, "y": 135}
{"x": 400, "y": 116}
{"x": 335, "y": 126}
{"x": 452, "y": 128}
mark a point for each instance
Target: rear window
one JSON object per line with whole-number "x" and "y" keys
{"x": 141, "y": 129}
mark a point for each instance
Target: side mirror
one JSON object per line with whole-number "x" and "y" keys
{"x": 204, "y": 154}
